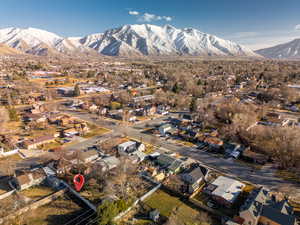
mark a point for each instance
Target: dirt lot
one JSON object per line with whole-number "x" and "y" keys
{"x": 60, "y": 211}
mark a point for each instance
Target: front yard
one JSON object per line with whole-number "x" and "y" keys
{"x": 96, "y": 132}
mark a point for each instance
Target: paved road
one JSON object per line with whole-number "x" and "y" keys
{"x": 265, "y": 176}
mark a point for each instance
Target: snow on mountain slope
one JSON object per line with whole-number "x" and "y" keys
{"x": 148, "y": 39}
{"x": 288, "y": 50}
{"x": 128, "y": 40}
{"x": 39, "y": 42}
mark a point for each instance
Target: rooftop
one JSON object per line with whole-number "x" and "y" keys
{"x": 227, "y": 188}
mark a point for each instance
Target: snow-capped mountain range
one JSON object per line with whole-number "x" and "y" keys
{"x": 128, "y": 40}
{"x": 289, "y": 50}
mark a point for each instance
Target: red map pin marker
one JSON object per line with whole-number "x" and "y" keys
{"x": 78, "y": 181}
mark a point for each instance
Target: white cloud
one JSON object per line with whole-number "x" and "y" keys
{"x": 297, "y": 27}
{"x": 167, "y": 18}
{"x": 148, "y": 17}
{"x": 133, "y": 13}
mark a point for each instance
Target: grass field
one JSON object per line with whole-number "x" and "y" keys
{"x": 167, "y": 205}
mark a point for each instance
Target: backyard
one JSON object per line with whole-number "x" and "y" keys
{"x": 171, "y": 206}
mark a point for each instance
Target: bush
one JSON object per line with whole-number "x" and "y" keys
{"x": 13, "y": 114}
{"x": 115, "y": 105}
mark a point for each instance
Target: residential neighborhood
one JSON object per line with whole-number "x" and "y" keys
{"x": 152, "y": 147}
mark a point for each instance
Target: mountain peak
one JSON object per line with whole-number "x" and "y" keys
{"x": 135, "y": 39}
{"x": 289, "y": 50}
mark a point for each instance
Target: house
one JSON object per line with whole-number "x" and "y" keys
{"x": 37, "y": 108}
{"x": 194, "y": 177}
{"x": 189, "y": 135}
{"x": 262, "y": 208}
{"x": 163, "y": 129}
{"x": 168, "y": 163}
{"x": 89, "y": 156}
{"x": 26, "y": 179}
{"x": 214, "y": 143}
{"x": 143, "y": 98}
{"x": 54, "y": 118}
{"x": 65, "y": 120}
{"x": 39, "y": 118}
{"x": 70, "y": 132}
{"x": 66, "y": 91}
{"x": 109, "y": 163}
{"x": 34, "y": 143}
{"x": 148, "y": 110}
{"x": 162, "y": 109}
{"x": 127, "y": 147}
{"x": 225, "y": 190}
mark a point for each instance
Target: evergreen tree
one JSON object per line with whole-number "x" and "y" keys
{"x": 176, "y": 88}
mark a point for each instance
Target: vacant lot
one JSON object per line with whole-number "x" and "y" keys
{"x": 60, "y": 211}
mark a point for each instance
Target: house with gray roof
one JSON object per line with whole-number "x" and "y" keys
{"x": 261, "y": 208}
{"x": 168, "y": 163}
{"x": 194, "y": 177}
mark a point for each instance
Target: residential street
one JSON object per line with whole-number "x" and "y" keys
{"x": 265, "y": 176}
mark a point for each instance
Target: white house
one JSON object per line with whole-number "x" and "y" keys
{"x": 225, "y": 190}
{"x": 163, "y": 129}
{"x": 127, "y": 147}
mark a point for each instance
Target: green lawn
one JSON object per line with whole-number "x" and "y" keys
{"x": 164, "y": 202}
{"x": 167, "y": 205}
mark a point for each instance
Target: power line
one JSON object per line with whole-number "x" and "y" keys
{"x": 85, "y": 218}
{"x": 69, "y": 222}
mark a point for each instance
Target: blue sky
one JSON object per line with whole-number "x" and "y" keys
{"x": 254, "y": 23}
